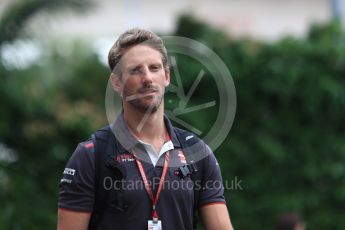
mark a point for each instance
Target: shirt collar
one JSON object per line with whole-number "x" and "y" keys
{"x": 171, "y": 132}
{"x": 126, "y": 141}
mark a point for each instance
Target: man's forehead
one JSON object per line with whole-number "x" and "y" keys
{"x": 140, "y": 54}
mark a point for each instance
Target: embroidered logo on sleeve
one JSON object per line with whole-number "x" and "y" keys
{"x": 68, "y": 175}
{"x": 69, "y": 171}
{"x": 66, "y": 181}
{"x": 189, "y": 137}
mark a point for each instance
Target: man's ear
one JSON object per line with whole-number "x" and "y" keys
{"x": 167, "y": 76}
{"x": 116, "y": 83}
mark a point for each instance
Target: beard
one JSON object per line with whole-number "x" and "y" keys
{"x": 138, "y": 101}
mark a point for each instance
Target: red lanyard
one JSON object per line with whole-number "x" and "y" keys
{"x": 148, "y": 188}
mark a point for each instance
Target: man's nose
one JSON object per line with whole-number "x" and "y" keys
{"x": 147, "y": 76}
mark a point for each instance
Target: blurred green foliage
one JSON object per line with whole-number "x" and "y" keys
{"x": 20, "y": 12}
{"x": 45, "y": 110}
{"x": 286, "y": 144}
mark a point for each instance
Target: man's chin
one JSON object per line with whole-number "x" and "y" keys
{"x": 145, "y": 108}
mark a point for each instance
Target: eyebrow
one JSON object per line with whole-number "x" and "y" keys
{"x": 134, "y": 67}
{"x": 156, "y": 64}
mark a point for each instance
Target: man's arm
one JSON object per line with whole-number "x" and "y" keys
{"x": 73, "y": 220}
{"x": 76, "y": 196}
{"x": 215, "y": 217}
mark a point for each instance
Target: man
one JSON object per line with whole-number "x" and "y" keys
{"x": 290, "y": 221}
{"x": 146, "y": 154}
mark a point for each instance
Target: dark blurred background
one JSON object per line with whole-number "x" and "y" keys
{"x": 287, "y": 60}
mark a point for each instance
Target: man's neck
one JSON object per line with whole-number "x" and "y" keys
{"x": 149, "y": 128}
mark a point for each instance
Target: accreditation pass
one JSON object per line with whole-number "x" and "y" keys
{"x": 154, "y": 225}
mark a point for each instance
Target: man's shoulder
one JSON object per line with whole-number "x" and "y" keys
{"x": 89, "y": 143}
{"x": 195, "y": 148}
{"x": 187, "y": 137}
{"x": 85, "y": 147}
{"x": 102, "y": 132}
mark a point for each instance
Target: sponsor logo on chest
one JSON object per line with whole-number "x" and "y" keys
{"x": 182, "y": 157}
{"x": 127, "y": 157}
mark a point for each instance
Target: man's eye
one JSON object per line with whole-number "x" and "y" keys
{"x": 135, "y": 71}
{"x": 155, "y": 68}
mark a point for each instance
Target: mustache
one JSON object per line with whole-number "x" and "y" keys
{"x": 148, "y": 89}
{"x": 142, "y": 90}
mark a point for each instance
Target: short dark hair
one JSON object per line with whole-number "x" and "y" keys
{"x": 131, "y": 38}
{"x": 288, "y": 221}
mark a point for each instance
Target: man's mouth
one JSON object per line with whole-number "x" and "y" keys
{"x": 141, "y": 93}
{"x": 148, "y": 91}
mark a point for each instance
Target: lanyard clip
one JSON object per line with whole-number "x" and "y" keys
{"x": 154, "y": 214}
{"x": 187, "y": 170}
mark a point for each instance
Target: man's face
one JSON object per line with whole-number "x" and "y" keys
{"x": 143, "y": 79}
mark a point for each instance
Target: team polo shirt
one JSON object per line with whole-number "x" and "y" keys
{"x": 176, "y": 200}
{"x": 154, "y": 156}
